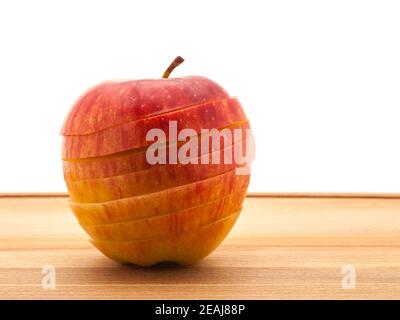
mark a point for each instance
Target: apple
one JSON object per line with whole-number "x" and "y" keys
{"x": 138, "y": 200}
{"x": 162, "y": 202}
{"x": 170, "y": 223}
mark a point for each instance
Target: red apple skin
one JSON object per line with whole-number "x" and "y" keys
{"x": 130, "y": 161}
{"x": 150, "y": 180}
{"x": 132, "y": 135}
{"x": 162, "y": 202}
{"x": 112, "y": 103}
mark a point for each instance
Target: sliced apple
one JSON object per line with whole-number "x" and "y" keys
{"x": 184, "y": 248}
{"x": 132, "y": 135}
{"x": 162, "y": 202}
{"x": 168, "y": 224}
{"x": 111, "y": 103}
{"x": 133, "y": 160}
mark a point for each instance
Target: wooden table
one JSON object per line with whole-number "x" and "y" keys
{"x": 281, "y": 247}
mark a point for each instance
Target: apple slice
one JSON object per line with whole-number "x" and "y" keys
{"x": 115, "y": 102}
{"x": 151, "y": 180}
{"x": 133, "y": 160}
{"x": 162, "y": 202}
{"x": 132, "y": 135}
{"x": 186, "y": 248}
{"x": 168, "y": 224}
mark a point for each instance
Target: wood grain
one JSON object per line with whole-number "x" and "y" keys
{"x": 281, "y": 248}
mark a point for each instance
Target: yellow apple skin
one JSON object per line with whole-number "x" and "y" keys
{"x": 132, "y": 160}
{"x": 184, "y": 248}
{"x": 162, "y": 202}
{"x": 149, "y": 180}
{"x": 165, "y": 225}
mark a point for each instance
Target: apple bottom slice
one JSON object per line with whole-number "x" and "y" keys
{"x": 185, "y": 248}
{"x": 136, "y": 159}
{"x": 161, "y": 202}
{"x": 155, "y": 179}
{"x": 168, "y": 224}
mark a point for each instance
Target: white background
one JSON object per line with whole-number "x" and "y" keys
{"x": 319, "y": 80}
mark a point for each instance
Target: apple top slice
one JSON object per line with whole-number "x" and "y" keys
{"x": 113, "y": 103}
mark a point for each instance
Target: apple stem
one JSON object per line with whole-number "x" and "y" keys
{"x": 177, "y": 61}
